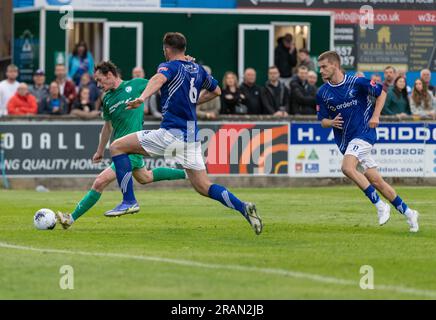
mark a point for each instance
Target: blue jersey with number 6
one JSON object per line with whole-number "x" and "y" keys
{"x": 179, "y": 95}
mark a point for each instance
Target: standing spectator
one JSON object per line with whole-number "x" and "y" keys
{"x": 80, "y": 62}
{"x": 251, "y": 91}
{"x": 84, "y": 107}
{"x": 39, "y": 89}
{"x": 55, "y": 103}
{"x": 22, "y": 102}
{"x": 285, "y": 58}
{"x": 305, "y": 60}
{"x": 87, "y": 82}
{"x": 426, "y": 78}
{"x": 390, "y": 75}
{"x": 275, "y": 95}
{"x": 422, "y": 102}
{"x": 232, "y": 100}
{"x": 67, "y": 87}
{"x": 303, "y": 95}
{"x": 376, "y": 78}
{"x": 402, "y": 73}
{"x": 397, "y": 101}
{"x": 210, "y": 109}
{"x": 312, "y": 79}
{"x": 8, "y": 88}
{"x": 138, "y": 72}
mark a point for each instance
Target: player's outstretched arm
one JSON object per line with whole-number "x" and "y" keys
{"x": 106, "y": 132}
{"x": 206, "y": 96}
{"x": 153, "y": 86}
{"x": 379, "y": 103}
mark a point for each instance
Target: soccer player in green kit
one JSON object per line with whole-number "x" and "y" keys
{"x": 121, "y": 122}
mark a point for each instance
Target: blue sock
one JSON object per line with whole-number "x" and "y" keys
{"x": 124, "y": 176}
{"x": 221, "y": 194}
{"x": 372, "y": 194}
{"x": 399, "y": 205}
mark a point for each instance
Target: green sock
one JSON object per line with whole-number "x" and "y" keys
{"x": 168, "y": 174}
{"x": 86, "y": 203}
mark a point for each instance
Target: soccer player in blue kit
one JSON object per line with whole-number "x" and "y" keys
{"x": 180, "y": 82}
{"x": 346, "y": 104}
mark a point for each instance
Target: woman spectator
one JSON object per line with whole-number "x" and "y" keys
{"x": 232, "y": 100}
{"x": 87, "y": 82}
{"x": 421, "y": 101}
{"x": 55, "y": 103}
{"x": 397, "y": 101}
{"x": 22, "y": 102}
{"x": 83, "y": 107}
{"x": 80, "y": 62}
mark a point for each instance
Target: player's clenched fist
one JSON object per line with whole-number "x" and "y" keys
{"x": 337, "y": 122}
{"x": 374, "y": 122}
{"x": 134, "y": 103}
{"x": 97, "y": 157}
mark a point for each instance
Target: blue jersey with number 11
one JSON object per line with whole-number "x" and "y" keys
{"x": 179, "y": 95}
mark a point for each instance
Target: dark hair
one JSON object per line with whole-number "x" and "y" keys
{"x": 105, "y": 67}
{"x": 302, "y": 67}
{"x": 304, "y": 50}
{"x": 423, "y": 96}
{"x": 288, "y": 37}
{"x": 175, "y": 41}
{"x": 403, "y": 92}
{"x": 76, "y": 49}
{"x": 331, "y": 56}
{"x": 390, "y": 67}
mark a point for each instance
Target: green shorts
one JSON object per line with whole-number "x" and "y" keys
{"x": 136, "y": 160}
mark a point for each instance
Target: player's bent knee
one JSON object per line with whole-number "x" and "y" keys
{"x": 348, "y": 170}
{"x": 100, "y": 184}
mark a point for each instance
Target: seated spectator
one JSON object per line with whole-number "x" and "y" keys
{"x": 68, "y": 88}
{"x": 8, "y": 88}
{"x": 397, "y": 101}
{"x": 232, "y": 100}
{"x": 422, "y": 102}
{"x": 303, "y": 95}
{"x": 312, "y": 79}
{"x": 211, "y": 109}
{"x": 39, "y": 89}
{"x": 251, "y": 91}
{"x": 83, "y": 107}
{"x": 402, "y": 73}
{"x": 87, "y": 82}
{"x": 138, "y": 72}
{"x": 305, "y": 60}
{"x": 55, "y": 103}
{"x": 426, "y": 77}
{"x": 22, "y": 102}
{"x": 154, "y": 106}
{"x": 80, "y": 62}
{"x": 275, "y": 96}
{"x": 376, "y": 77}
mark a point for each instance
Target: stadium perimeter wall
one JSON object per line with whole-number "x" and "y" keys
{"x": 55, "y": 152}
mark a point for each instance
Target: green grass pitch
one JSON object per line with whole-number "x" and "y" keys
{"x": 184, "y": 246}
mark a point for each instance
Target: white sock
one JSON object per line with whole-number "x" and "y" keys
{"x": 380, "y": 205}
{"x": 408, "y": 213}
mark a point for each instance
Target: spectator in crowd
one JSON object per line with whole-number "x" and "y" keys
{"x": 84, "y": 107}
{"x": 376, "y": 78}
{"x": 275, "y": 95}
{"x": 8, "y": 88}
{"x": 87, "y": 82}
{"x": 211, "y": 109}
{"x": 303, "y": 95}
{"x": 39, "y": 89}
{"x": 67, "y": 87}
{"x": 251, "y": 91}
{"x": 80, "y": 62}
{"x": 397, "y": 101}
{"x": 285, "y": 57}
{"x": 312, "y": 79}
{"x": 138, "y": 72}
{"x": 22, "y": 103}
{"x": 153, "y": 105}
{"x": 426, "y": 78}
{"x": 232, "y": 100}
{"x": 390, "y": 75}
{"x": 359, "y": 74}
{"x": 55, "y": 103}
{"x": 402, "y": 73}
{"x": 305, "y": 60}
{"x": 422, "y": 102}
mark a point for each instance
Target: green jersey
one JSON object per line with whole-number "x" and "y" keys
{"x": 115, "y": 101}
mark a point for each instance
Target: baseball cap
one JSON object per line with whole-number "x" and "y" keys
{"x": 39, "y": 72}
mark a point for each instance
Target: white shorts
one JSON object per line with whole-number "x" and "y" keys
{"x": 362, "y": 151}
{"x": 162, "y": 143}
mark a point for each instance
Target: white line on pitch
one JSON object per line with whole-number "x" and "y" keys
{"x": 188, "y": 263}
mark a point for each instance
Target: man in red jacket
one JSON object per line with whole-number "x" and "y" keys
{"x": 22, "y": 102}
{"x": 67, "y": 87}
